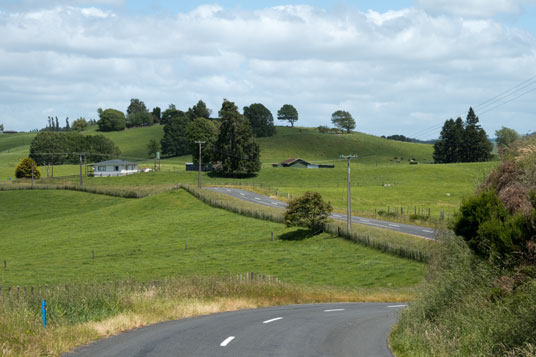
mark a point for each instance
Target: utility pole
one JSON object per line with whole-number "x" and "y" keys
{"x": 349, "y": 198}
{"x": 80, "y": 154}
{"x": 199, "y": 163}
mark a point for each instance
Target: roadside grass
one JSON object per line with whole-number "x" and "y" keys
{"x": 467, "y": 308}
{"x": 171, "y": 234}
{"x": 81, "y": 316}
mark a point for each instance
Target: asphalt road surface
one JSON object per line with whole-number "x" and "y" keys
{"x": 347, "y": 329}
{"x": 419, "y": 231}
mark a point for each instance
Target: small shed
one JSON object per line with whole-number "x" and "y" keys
{"x": 300, "y": 163}
{"x": 114, "y": 168}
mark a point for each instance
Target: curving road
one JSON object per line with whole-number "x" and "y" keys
{"x": 345, "y": 329}
{"x": 419, "y": 231}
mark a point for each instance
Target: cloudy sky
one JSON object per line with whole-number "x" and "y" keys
{"x": 399, "y": 67}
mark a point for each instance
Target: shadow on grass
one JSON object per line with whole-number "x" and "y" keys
{"x": 299, "y": 234}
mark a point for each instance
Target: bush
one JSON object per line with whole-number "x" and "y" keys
{"x": 309, "y": 211}
{"x": 111, "y": 120}
{"x": 24, "y": 169}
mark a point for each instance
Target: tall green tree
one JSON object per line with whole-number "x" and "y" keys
{"x": 171, "y": 112}
{"x": 477, "y": 146}
{"x": 156, "y": 114}
{"x": 199, "y": 110}
{"x": 288, "y": 113}
{"x": 111, "y": 120}
{"x": 462, "y": 142}
{"x": 260, "y": 119}
{"x": 343, "y": 120}
{"x": 236, "y": 153}
{"x": 506, "y": 136}
{"x": 175, "y": 140}
{"x": 1, "y": 127}
{"x": 137, "y": 114}
{"x": 202, "y": 129}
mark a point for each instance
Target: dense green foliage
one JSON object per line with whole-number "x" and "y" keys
{"x": 59, "y": 148}
{"x": 343, "y": 120}
{"x": 175, "y": 141}
{"x": 137, "y": 114}
{"x": 153, "y": 147}
{"x": 27, "y": 168}
{"x": 506, "y": 137}
{"x": 462, "y": 141}
{"x": 288, "y": 113}
{"x": 309, "y": 211}
{"x": 199, "y": 110}
{"x": 156, "y": 114}
{"x": 260, "y": 119}
{"x": 79, "y": 124}
{"x": 202, "y": 129}
{"x": 111, "y": 120}
{"x": 235, "y": 153}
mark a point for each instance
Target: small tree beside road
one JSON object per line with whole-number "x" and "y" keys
{"x": 309, "y": 210}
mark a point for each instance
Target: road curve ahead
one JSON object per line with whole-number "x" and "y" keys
{"x": 343, "y": 329}
{"x": 419, "y": 231}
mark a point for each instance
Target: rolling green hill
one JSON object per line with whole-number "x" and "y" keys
{"x": 145, "y": 239}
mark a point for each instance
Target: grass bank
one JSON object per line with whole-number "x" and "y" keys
{"x": 467, "y": 308}
{"x": 78, "y": 316}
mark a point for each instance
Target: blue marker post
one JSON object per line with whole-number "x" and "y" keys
{"x": 44, "y": 306}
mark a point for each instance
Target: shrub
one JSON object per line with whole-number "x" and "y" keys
{"x": 24, "y": 169}
{"x": 309, "y": 211}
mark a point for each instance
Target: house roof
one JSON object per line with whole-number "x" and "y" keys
{"x": 115, "y": 162}
{"x": 291, "y": 161}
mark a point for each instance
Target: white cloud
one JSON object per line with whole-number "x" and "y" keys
{"x": 474, "y": 8}
{"x": 396, "y": 71}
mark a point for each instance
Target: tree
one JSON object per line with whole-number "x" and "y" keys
{"x": 1, "y": 127}
{"x": 462, "y": 142}
{"x": 111, "y": 120}
{"x": 156, "y": 114}
{"x": 289, "y": 113}
{"x": 67, "y": 126}
{"x": 343, "y": 120}
{"x": 236, "y": 153}
{"x": 260, "y": 119}
{"x": 309, "y": 210}
{"x": 476, "y": 146}
{"x": 25, "y": 168}
{"x": 505, "y": 137}
{"x": 153, "y": 147}
{"x": 175, "y": 140}
{"x": 199, "y": 110}
{"x": 80, "y": 124}
{"x": 169, "y": 113}
{"x": 206, "y": 130}
{"x": 137, "y": 114}
{"x": 96, "y": 147}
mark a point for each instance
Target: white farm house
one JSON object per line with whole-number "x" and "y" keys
{"x": 114, "y": 168}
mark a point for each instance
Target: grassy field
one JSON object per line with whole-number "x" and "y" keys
{"x": 378, "y": 180}
{"x": 146, "y": 238}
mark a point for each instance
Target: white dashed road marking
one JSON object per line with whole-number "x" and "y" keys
{"x": 272, "y": 320}
{"x": 427, "y": 231}
{"x": 226, "y": 341}
{"x": 393, "y": 225}
{"x": 397, "y": 306}
{"x": 242, "y": 194}
{"x": 332, "y": 310}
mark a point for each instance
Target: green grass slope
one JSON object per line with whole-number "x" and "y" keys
{"x": 48, "y": 237}
{"x": 310, "y": 145}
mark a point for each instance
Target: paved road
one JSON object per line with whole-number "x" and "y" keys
{"x": 348, "y": 329}
{"x": 249, "y": 196}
